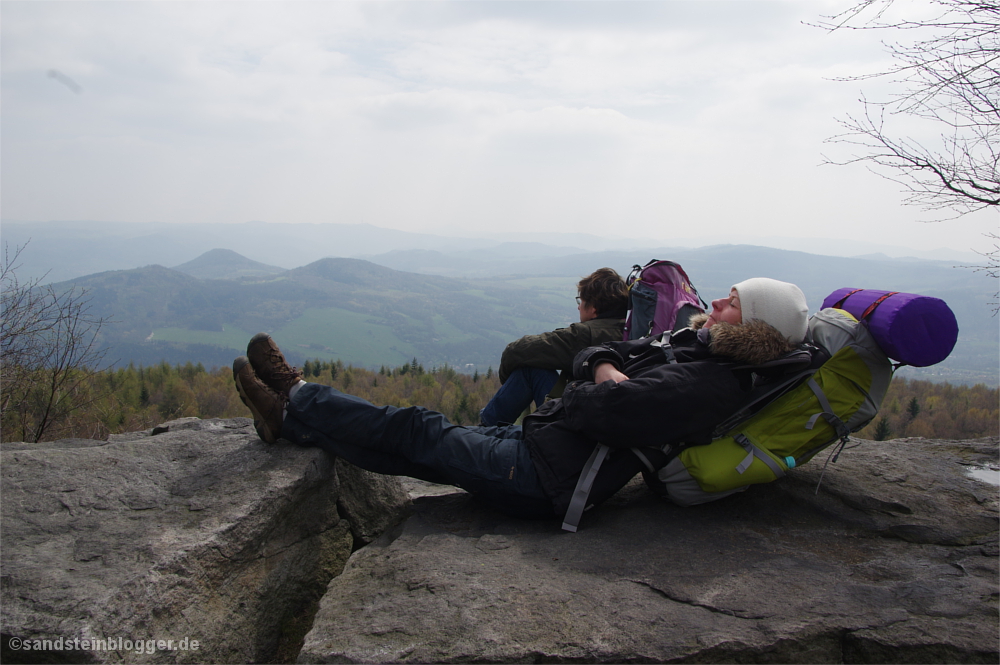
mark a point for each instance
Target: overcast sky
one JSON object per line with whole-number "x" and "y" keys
{"x": 659, "y": 119}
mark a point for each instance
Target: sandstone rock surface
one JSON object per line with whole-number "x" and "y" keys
{"x": 894, "y": 559}
{"x": 201, "y": 532}
{"x": 204, "y": 532}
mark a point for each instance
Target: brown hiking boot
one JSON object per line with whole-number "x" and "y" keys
{"x": 265, "y": 404}
{"x": 270, "y": 364}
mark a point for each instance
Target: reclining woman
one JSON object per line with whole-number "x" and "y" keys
{"x": 630, "y": 394}
{"x": 530, "y": 366}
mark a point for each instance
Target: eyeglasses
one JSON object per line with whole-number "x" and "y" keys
{"x": 579, "y": 301}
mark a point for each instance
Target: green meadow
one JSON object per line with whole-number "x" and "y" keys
{"x": 332, "y": 333}
{"x": 230, "y": 337}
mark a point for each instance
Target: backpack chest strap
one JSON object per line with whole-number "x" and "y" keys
{"x": 668, "y": 351}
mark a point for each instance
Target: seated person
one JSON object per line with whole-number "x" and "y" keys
{"x": 529, "y": 367}
{"x": 630, "y": 394}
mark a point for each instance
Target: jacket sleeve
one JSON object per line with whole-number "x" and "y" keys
{"x": 617, "y": 353}
{"x": 666, "y": 404}
{"x": 552, "y": 350}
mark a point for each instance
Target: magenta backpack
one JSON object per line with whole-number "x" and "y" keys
{"x": 660, "y": 298}
{"x": 915, "y": 330}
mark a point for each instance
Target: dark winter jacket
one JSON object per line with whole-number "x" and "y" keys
{"x": 662, "y": 403}
{"x": 555, "y": 350}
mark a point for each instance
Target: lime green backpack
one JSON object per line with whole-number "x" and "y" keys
{"x": 841, "y": 396}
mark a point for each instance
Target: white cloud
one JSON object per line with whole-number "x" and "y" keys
{"x": 521, "y": 116}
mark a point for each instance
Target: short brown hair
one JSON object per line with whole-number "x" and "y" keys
{"x": 605, "y": 291}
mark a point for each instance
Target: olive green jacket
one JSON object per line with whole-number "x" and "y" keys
{"x": 555, "y": 350}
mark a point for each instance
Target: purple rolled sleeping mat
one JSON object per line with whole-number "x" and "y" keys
{"x": 912, "y": 329}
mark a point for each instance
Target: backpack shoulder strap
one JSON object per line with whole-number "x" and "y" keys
{"x": 797, "y": 365}
{"x": 578, "y": 503}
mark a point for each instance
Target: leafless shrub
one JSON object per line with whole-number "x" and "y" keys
{"x": 48, "y": 349}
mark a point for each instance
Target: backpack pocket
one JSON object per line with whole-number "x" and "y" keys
{"x": 643, "y": 311}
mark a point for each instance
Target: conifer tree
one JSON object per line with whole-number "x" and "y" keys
{"x": 882, "y": 429}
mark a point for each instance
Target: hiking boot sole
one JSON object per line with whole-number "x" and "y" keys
{"x": 259, "y": 421}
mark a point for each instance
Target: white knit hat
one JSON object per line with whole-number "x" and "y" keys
{"x": 780, "y": 304}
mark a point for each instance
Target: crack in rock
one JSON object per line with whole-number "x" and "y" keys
{"x": 692, "y": 603}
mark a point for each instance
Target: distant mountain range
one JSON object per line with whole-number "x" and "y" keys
{"x": 67, "y": 250}
{"x": 206, "y": 309}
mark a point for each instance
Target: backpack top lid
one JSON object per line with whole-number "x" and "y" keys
{"x": 912, "y": 329}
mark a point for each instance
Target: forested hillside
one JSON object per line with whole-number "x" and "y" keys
{"x": 935, "y": 410}
{"x": 336, "y": 309}
{"x": 135, "y": 398}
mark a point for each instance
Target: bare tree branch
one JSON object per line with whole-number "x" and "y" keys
{"x": 948, "y": 76}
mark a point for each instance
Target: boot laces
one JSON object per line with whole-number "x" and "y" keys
{"x": 280, "y": 369}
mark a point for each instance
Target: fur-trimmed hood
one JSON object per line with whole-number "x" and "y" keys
{"x": 754, "y": 342}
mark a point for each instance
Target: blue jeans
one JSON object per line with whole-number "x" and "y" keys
{"x": 524, "y": 385}
{"x": 491, "y": 462}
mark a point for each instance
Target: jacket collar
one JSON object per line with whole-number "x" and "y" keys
{"x": 750, "y": 343}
